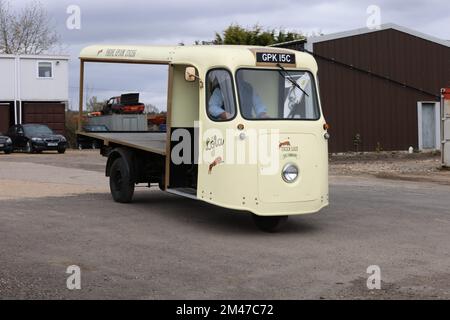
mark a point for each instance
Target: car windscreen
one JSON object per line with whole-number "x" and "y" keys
{"x": 96, "y": 129}
{"x": 277, "y": 94}
{"x": 37, "y": 130}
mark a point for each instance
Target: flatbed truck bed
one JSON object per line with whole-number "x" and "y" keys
{"x": 154, "y": 142}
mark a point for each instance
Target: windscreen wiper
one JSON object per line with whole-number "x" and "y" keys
{"x": 286, "y": 75}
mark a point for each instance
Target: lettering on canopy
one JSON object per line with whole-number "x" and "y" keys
{"x": 122, "y": 53}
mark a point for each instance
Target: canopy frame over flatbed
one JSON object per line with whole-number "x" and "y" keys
{"x": 96, "y": 54}
{"x": 200, "y": 57}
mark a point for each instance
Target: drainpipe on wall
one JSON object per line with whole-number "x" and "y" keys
{"x": 16, "y": 82}
{"x": 19, "y": 91}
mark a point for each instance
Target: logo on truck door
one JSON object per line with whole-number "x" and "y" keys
{"x": 214, "y": 142}
{"x": 288, "y": 150}
{"x": 216, "y": 162}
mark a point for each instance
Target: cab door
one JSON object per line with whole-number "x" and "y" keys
{"x": 225, "y": 178}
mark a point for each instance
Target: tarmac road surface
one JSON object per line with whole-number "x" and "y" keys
{"x": 56, "y": 211}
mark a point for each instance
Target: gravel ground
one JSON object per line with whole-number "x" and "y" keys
{"x": 397, "y": 166}
{"x": 58, "y": 212}
{"x": 46, "y": 175}
{"x": 67, "y": 171}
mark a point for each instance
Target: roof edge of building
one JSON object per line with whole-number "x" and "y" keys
{"x": 361, "y": 31}
{"x": 35, "y": 56}
{"x": 303, "y": 40}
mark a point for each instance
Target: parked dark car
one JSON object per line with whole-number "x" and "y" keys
{"x": 36, "y": 138}
{"x": 84, "y": 142}
{"x": 5, "y": 144}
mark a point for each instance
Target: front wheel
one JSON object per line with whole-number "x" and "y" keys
{"x": 120, "y": 182}
{"x": 29, "y": 147}
{"x": 269, "y": 224}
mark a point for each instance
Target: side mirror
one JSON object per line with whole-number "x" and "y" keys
{"x": 190, "y": 74}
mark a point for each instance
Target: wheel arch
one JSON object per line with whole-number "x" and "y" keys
{"x": 126, "y": 154}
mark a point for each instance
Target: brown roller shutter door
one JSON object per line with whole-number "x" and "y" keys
{"x": 50, "y": 114}
{"x": 4, "y": 117}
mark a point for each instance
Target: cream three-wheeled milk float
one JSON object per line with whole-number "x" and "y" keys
{"x": 245, "y": 130}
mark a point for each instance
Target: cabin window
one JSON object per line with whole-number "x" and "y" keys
{"x": 221, "y": 100}
{"x": 45, "y": 69}
{"x": 277, "y": 95}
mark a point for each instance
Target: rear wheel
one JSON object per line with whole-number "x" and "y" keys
{"x": 269, "y": 224}
{"x": 120, "y": 182}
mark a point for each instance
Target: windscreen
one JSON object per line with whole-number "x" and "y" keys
{"x": 96, "y": 128}
{"x": 37, "y": 130}
{"x": 277, "y": 95}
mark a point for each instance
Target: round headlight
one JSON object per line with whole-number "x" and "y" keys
{"x": 290, "y": 173}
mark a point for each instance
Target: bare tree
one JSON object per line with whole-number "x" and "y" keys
{"x": 26, "y": 31}
{"x": 151, "y": 109}
{"x": 5, "y": 27}
{"x": 94, "y": 105}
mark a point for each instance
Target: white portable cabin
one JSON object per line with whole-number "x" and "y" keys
{"x": 33, "y": 88}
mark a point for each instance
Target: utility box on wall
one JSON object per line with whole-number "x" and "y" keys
{"x": 445, "y": 112}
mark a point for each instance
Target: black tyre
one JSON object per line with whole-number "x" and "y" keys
{"x": 62, "y": 150}
{"x": 8, "y": 151}
{"x": 162, "y": 182}
{"x": 120, "y": 182}
{"x": 29, "y": 147}
{"x": 269, "y": 224}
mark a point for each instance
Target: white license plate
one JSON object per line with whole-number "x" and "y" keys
{"x": 2, "y": 145}
{"x": 52, "y": 144}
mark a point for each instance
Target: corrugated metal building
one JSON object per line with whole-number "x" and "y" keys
{"x": 33, "y": 89}
{"x": 381, "y": 85}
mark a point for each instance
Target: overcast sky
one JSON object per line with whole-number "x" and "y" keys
{"x": 174, "y": 21}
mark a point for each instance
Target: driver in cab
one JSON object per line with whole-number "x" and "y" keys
{"x": 252, "y": 104}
